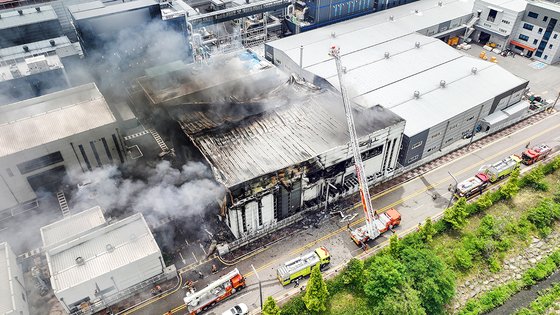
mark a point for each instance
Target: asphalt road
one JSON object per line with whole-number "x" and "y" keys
{"x": 413, "y": 199}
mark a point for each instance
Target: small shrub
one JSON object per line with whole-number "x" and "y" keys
{"x": 456, "y": 215}
{"x": 462, "y": 259}
{"x": 534, "y": 179}
{"x": 544, "y": 215}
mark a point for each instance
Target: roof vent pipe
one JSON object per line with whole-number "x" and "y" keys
{"x": 440, "y": 4}
{"x": 110, "y": 248}
{"x": 391, "y": 18}
{"x": 387, "y": 54}
{"x": 20, "y": 12}
{"x": 474, "y": 70}
{"x": 333, "y": 34}
{"x": 38, "y": 9}
{"x": 416, "y": 11}
{"x": 52, "y": 42}
{"x": 80, "y": 261}
{"x": 25, "y": 48}
{"x": 417, "y": 44}
{"x": 442, "y": 83}
{"x": 416, "y": 94}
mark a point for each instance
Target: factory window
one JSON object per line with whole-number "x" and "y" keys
{"x": 528, "y": 26}
{"x": 95, "y": 154}
{"x": 9, "y": 172}
{"x": 372, "y": 153}
{"x": 555, "y": 36}
{"x": 523, "y": 37}
{"x": 506, "y": 21}
{"x": 118, "y": 148}
{"x": 535, "y": 41}
{"x": 448, "y": 140}
{"x": 432, "y": 148}
{"x": 85, "y": 156}
{"x": 417, "y": 144}
{"x": 550, "y": 46}
{"x": 412, "y": 159}
{"x": 436, "y": 134}
{"x": 453, "y": 126}
{"x": 470, "y": 118}
{"x": 540, "y": 30}
{"x": 38, "y": 163}
{"x": 545, "y": 18}
{"x": 106, "y": 146}
{"x": 243, "y": 220}
{"x": 278, "y": 62}
{"x": 23, "y": 296}
{"x": 492, "y": 15}
{"x": 545, "y": 57}
{"x": 532, "y": 14}
{"x": 259, "y": 210}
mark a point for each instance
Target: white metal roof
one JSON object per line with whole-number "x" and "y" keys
{"x": 30, "y": 16}
{"x": 40, "y": 120}
{"x": 546, "y": 5}
{"x": 130, "y": 239}
{"x": 512, "y": 5}
{"x": 72, "y": 226}
{"x": 6, "y": 274}
{"x": 81, "y": 11}
{"x": 372, "y": 29}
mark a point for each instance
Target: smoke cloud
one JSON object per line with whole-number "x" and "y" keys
{"x": 163, "y": 192}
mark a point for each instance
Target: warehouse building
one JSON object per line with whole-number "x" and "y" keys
{"x": 498, "y": 21}
{"x": 537, "y": 34}
{"x": 37, "y": 68}
{"x": 27, "y": 25}
{"x": 276, "y": 144}
{"x": 41, "y": 138}
{"x": 390, "y": 62}
{"x": 94, "y": 264}
{"x": 13, "y": 300}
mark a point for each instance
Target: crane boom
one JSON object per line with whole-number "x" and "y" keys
{"x": 358, "y": 164}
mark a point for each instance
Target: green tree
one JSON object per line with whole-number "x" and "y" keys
{"x": 395, "y": 246}
{"x": 456, "y": 215}
{"x": 406, "y": 301}
{"x": 270, "y": 307}
{"x": 384, "y": 276}
{"x": 511, "y": 187}
{"x": 484, "y": 202}
{"x": 544, "y": 215}
{"x": 428, "y": 275}
{"x": 534, "y": 179}
{"x": 316, "y": 294}
{"x": 428, "y": 231}
{"x": 353, "y": 274}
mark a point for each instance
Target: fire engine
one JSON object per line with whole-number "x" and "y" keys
{"x": 502, "y": 168}
{"x": 472, "y": 185}
{"x": 301, "y": 267}
{"x": 215, "y": 292}
{"x": 535, "y": 154}
{"x": 383, "y": 223}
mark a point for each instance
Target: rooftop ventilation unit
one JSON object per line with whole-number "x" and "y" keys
{"x": 38, "y": 9}
{"x": 25, "y": 48}
{"x": 416, "y": 11}
{"x": 387, "y": 55}
{"x": 474, "y": 70}
{"x": 417, "y": 44}
{"x": 52, "y": 42}
{"x": 110, "y": 248}
{"x": 333, "y": 34}
{"x": 440, "y": 4}
{"x": 391, "y": 18}
{"x": 416, "y": 94}
{"x": 20, "y": 12}
{"x": 344, "y": 69}
{"x": 442, "y": 83}
{"x": 80, "y": 261}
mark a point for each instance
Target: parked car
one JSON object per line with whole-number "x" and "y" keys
{"x": 239, "y": 309}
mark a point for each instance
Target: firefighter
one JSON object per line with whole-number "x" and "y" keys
{"x": 158, "y": 288}
{"x": 214, "y": 269}
{"x": 296, "y": 283}
{"x": 200, "y": 275}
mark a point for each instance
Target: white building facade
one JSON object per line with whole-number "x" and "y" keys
{"x": 538, "y": 34}
{"x": 42, "y": 138}
{"x": 13, "y": 298}
{"x": 498, "y": 20}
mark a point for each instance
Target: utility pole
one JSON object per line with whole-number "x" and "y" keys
{"x": 453, "y": 190}
{"x": 260, "y": 284}
{"x": 474, "y": 127}
{"x": 556, "y": 101}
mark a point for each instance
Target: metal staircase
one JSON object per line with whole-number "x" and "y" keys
{"x": 470, "y": 27}
{"x": 62, "y": 203}
{"x": 159, "y": 140}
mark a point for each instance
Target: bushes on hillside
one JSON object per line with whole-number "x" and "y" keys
{"x": 544, "y": 215}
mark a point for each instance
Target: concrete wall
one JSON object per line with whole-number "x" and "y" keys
{"x": 16, "y": 282}
{"x": 15, "y": 187}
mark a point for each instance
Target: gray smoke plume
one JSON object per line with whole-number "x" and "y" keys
{"x": 163, "y": 192}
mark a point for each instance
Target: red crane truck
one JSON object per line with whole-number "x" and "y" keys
{"x": 215, "y": 292}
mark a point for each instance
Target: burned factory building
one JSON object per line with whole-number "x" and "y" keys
{"x": 278, "y": 144}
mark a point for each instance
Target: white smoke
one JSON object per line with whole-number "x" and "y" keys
{"x": 164, "y": 192}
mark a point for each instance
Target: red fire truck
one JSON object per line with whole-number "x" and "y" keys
{"x": 535, "y": 154}
{"x": 215, "y": 292}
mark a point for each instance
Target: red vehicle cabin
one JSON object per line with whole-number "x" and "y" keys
{"x": 535, "y": 154}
